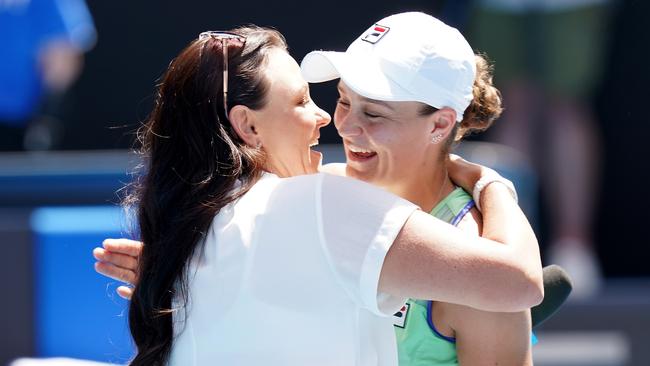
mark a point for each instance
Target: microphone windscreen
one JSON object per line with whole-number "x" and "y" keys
{"x": 557, "y": 287}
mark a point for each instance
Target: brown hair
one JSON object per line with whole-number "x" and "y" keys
{"x": 193, "y": 162}
{"x": 486, "y": 104}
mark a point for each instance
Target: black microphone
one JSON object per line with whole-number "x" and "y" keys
{"x": 557, "y": 287}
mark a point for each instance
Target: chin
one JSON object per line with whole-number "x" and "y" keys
{"x": 315, "y": 160}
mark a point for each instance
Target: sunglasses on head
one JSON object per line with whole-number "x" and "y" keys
{"x": 226, "y": 38}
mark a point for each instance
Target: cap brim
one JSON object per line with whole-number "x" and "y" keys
{"x": 363, "y": 75}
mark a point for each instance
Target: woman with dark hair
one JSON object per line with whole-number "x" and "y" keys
{"x": 250, "y": 257}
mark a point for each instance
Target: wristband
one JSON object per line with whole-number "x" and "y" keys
{"x": 488, "y": 179}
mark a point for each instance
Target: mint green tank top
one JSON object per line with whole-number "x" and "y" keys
{"x": 418, "y": 341}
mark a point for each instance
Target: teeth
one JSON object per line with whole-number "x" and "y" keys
{"x": 359, "y": 150}
{"x": 313, "y": 143}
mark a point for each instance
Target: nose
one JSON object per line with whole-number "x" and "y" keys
{"x": 346, "y": 123}
{"x": 324, "y": 118}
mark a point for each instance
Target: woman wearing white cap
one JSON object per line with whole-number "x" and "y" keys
{"x": 410, "y": 87}
{"x": 289, "y": 271}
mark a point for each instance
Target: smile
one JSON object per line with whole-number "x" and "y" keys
{"x": 359, "y": 154}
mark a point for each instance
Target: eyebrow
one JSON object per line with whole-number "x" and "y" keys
{"x": 303, "y": 90}
{"x": 379, "y": 102}
{"x": 367, "y": 100}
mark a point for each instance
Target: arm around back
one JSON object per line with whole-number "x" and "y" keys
{"x": 500, "y": 271}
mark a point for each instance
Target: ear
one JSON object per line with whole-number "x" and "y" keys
{"x": 243, "y": 122}
{"x": 444, "y": 121}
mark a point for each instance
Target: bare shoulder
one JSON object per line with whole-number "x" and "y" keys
{"x": 472, "y": 223}
{"x": 334, "y": 169}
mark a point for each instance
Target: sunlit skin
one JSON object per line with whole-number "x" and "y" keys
{"x": 290, "y": 121}
{"x": 289, "y": 124}
{"x": 389, "y": 144}
{"x": 386, "y": 144}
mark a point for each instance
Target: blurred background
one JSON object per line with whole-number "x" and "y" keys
{"x": 77, "y": 78}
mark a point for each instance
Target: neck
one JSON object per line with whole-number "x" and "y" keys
{"x": 282, "y": 170}
{"x": 426, "y": 189}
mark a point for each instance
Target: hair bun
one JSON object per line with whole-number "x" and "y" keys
{"x": 486, "y": 105}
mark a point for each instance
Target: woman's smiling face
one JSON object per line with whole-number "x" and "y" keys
{"x": 385, "y": 142}
{"x": 290, "y": 121}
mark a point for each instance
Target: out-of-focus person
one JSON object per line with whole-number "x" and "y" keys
{"x": 549, "y": 57}
{"x": 42, "y": 43}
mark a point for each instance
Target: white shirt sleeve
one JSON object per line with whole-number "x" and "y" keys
{"x": 358, "y": 224}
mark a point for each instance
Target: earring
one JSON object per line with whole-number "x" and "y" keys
{"x": 259, "y": 145}
{"x": 436, "y": 139}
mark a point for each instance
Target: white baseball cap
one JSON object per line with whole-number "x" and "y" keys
{"x": 404, "y": 57}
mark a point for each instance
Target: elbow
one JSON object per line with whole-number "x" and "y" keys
{"x": 518, "y": 291}
{"x": 534, "y": 276}
{"x": 531, "y": 289}
{"x": 526, "y": 290}
{"x": 530, "y": 280}
{"x": 535, "y": 290}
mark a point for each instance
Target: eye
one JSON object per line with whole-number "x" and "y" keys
{"x": 371, "y": 114}
{"x": 343, "y": 103}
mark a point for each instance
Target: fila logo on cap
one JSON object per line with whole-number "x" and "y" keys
{"x": 375, "y": 33}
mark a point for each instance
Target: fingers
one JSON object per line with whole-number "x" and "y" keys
{"x": 115, "y": 272}
{"x": 459, "y": 163}
{"x": 116, "y": 259}
{"x": 123, "y": 246}
{"x": 455, "y": 158}
{"x": 125, "y": 292}
{"x": 455, "y": 163}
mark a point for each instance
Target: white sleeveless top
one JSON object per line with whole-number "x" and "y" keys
{"x": 288, "y": 275}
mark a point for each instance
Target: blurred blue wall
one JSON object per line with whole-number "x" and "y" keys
{"x": 77, "y": 313}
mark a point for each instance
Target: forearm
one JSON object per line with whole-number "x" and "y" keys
{"x": 504, "y": 222}
{"x": 433, "y": 260}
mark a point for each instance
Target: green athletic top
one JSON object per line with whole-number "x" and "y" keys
{"x": 418, "y": 341}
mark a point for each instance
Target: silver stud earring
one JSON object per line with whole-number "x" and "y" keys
{"x": 259, "y": 145}
{"x": 436, "y": 139}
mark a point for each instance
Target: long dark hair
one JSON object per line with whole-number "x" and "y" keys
{"x": 193, "y": 162}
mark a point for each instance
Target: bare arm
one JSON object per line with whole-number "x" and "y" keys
{"x": 431, "y": 259}
{"x": 482, "y": 337}
{"x": 499, "y": 272}
{"x": 487, "y": 338}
